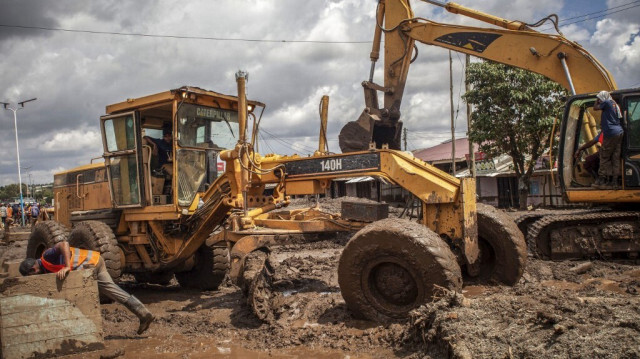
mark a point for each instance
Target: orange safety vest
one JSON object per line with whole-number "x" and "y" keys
{"x": 79, "y": 258}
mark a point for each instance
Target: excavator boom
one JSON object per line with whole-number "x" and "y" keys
{"x": 552, "y": 56}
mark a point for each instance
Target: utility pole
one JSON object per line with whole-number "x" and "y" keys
{"x": 15, "y": 126}
{"x": 467, "y": 88}
{"x": 405, "y": 138}
{"x": 453, "y": 127}
{"x": 28, "y": 169}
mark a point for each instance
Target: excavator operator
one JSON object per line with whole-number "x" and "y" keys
{"x": 612, "y": 141}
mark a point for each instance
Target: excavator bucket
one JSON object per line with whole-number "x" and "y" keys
{"x": 369, "y": 129}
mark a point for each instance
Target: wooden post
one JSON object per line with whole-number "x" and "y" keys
{"x": 472, "y": 153}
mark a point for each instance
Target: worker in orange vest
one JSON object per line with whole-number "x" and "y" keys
{"x": 61, "y": 259}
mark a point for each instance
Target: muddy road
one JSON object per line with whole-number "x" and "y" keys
{"x": 558, "y": 309}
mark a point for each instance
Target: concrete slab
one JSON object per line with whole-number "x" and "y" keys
{"x": 10, "y": 269}
{"x": 41, "y": 315}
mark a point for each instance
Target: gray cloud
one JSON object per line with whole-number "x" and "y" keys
{"x": 75, "y": 75}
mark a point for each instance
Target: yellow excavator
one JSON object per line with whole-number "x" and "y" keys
{"x": 605, "y": 233}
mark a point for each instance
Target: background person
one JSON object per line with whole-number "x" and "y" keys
{"x": 3, "y": 214}
{"x": 34, "y": 212}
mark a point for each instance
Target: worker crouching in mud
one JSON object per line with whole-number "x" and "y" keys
{"x": 62, "y": 258}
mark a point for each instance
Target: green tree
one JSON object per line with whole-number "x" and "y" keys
{"x": 46, "y": 195}
{"x": 11, "y": 191}
{"x": 514, "y": 111}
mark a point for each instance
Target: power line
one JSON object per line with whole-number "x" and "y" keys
{"x": 266, "y": 143}
{"x": 605, "y": 13}
{"x": 290, "y": 145}
{"x": 211, "y": 38}
{"x": 599, "y": 11}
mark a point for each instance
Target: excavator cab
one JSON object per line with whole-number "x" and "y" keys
{"x": 581, "y": 124}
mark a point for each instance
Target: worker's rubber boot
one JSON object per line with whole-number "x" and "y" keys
{"x": 614, "y": 182}
{"x": 143, "y": 314}
{"x": 599, "y": 183}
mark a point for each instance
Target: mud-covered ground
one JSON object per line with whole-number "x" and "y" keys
{"x": 553, "y": 312}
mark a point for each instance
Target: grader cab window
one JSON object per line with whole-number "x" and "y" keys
{"x": 201, "y": 131}
{"x": 120, "y": 136}
{"x": 206, "y": 127}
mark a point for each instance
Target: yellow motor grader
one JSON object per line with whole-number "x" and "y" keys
{"x": 192, "y": 219}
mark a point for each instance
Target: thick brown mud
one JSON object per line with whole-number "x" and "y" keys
{"x": 553, "y": 311}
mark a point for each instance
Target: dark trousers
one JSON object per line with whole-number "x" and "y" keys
{"x": 592, "y": 164}
{"x": 106, "y": 285}
{"x": 610, "y": 156}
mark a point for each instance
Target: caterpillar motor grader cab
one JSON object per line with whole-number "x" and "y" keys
{"x": 593, "y": 233}
{"x": 139, "y": 215}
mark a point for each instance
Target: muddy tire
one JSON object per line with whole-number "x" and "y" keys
{"x": 212, "y": 264}
{"x": 256, "y": 284}
{"x": 45, "y": 235}
{"x": 503, "y": 250}
{"x": 163, "y": 278}
{"x": 97, "y": 236}
{"x": 392, "y": 266}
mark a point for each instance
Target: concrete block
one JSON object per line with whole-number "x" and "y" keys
{"x": 42, "y": 316}
{"x": 10, "y": 269}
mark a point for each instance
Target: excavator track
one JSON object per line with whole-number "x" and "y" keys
{"x": 586, "y": 235}
{"x": 525, "y": 220}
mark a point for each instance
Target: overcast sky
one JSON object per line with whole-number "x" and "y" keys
{"x": 75, "y": 75}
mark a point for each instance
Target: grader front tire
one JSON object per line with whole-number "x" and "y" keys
{"x": 209, "y": 271}
{"x": 503, "y": 250}
{"x": 392, "y": 266}
{"x": 98, "y": 236}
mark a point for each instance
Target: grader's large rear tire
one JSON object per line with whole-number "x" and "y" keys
{"x": 98, "y": 236}
{"x": 393, "y": 266}
{"x": 45, "y": 235}
{"x": 503, "y": 250}
{"x": 212, "y": 264}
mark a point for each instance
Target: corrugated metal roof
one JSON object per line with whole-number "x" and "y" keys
{"x": 443, "y": 151}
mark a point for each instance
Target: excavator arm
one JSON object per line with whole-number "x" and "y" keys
{"x": 553, "y": 56}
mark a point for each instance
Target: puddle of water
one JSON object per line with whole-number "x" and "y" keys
{"x": 179, "y": 346}
{"x": 562, "y": 284}
{"x": 635, "y": 273}
{"x": 610, "y": 286}
{"x": 601, "y": 284}
{"x": 473, "y": 291}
